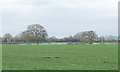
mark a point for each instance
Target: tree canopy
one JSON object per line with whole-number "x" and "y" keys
{"x": 34, "y": 32}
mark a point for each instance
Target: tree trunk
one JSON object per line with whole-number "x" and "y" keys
{"x": 37, "y": 42}
{"x": 90, "y": 43}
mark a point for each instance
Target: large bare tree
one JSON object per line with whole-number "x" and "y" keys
{"x": 34, "y": 32}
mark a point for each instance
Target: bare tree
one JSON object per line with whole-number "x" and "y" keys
{"x": 52, "y": 39}
{"x": 7, "y": 38}
{"x": 78, "y": 35}
{"x": 110, "y": 38}
{"x": 90, "y": 36}
{"x": 87, "y": 36}
{"x": 35, "y": 33}
{"x": 102, "y": 39}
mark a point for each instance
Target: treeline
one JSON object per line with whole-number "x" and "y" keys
{"x": 36, "y": 33}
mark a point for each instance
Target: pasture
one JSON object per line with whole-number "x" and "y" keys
{"x": 60, "y": 57}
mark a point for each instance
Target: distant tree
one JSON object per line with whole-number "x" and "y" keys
{"x": 0, "y": 39}
{"x": 86, "y": 36}
{"x": 52, "y": 39}
{"x": 102, "y": 39}
{"x": 25, "y": 36}
{"x": 70, "y": 39}
{"x": 7, "y": 37}
{"x": 90, "y": 36}
{"x": 111, "y": 38}
{"x": 34, "y": 32}
{"x": 16, "y": 38}
{"x": 78, "y": 35}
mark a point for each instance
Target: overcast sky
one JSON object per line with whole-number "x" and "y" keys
{"x": 60, "y": 17}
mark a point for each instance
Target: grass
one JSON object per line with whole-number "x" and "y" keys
{"x": 60, "y": 57}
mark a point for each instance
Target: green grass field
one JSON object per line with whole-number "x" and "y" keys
{"x": 60, "y": 57}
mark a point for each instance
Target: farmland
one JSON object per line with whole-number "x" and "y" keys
{"x": 60, "y": 57}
